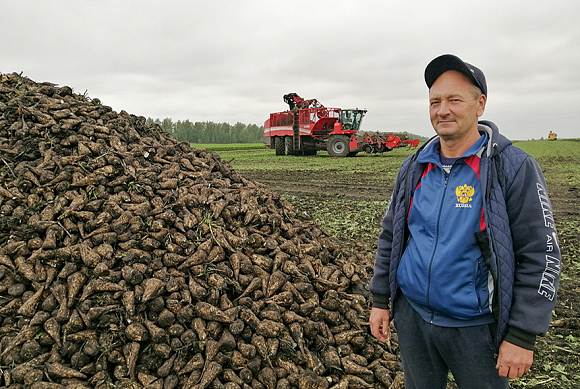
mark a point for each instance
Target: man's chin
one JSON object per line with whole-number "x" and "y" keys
{"x": 444, "y": 130}
{"x": 443, "y": 125}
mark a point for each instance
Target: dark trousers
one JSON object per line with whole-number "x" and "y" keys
{"x": 429, "y": 352}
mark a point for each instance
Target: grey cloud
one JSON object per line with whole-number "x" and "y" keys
{"x": 233, "y": 61}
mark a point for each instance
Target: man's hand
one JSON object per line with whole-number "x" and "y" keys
{"x": 379, "y": 323}
{"x": 513, "y": 361}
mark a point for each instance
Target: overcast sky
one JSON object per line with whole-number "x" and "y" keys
{"x": 232, "y": 61}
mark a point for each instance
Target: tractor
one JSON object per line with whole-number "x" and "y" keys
{"x": 308, "y": 126}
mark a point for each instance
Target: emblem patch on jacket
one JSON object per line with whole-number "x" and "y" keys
{"x": 464, "y": 193}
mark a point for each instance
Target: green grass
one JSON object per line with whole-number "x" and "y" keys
{"x": 227, "y": 146}
{"x": 347, "y": 219}
{"x": 546, "y": 148}
{"x": 560, "y": 160}
{"x": 264, "y": 159}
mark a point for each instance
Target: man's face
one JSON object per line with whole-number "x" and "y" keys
{"x": 454, "y": 107}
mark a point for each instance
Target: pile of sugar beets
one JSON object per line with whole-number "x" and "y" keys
{"x": 129, "y": 260}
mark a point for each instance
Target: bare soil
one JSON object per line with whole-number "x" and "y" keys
{"x": 557, "y": 355}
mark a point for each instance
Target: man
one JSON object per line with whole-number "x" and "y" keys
{"x": 468, "y": 261}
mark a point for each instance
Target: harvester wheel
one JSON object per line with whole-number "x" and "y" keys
{"x": 338, "y": 146}
{"x": 289, "y": 146}
{"x": 279, "y": 145}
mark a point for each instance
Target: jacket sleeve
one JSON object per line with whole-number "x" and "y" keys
{"x": 379, "y": 284}
{"x": 537, "y": 254}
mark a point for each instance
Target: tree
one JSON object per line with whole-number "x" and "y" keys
{"x": 210, "y": 132}
{"x": 167, "y": 126}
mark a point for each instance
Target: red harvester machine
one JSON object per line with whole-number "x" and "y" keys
{"x": 309, "y": 126}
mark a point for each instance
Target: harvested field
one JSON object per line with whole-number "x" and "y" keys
{"x": 129, "y": 259}
{"x": 348, "y": 197}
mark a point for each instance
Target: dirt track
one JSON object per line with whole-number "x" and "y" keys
{"x": 307, "y": 184}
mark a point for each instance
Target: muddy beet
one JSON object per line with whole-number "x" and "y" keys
{"x": 130, "y": 259}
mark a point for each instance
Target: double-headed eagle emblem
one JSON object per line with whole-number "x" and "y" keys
{"x": 464, "y": 193}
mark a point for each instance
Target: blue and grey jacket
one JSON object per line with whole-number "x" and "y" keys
{"x": 513, "y": 228}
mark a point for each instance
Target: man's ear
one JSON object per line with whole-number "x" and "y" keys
{"x": 481, "y": 104}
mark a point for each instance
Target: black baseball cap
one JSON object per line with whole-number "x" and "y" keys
{"x": 447, "y": 62}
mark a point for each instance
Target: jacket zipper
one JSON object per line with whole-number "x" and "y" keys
{"x": 493, "y": 253}
{"x": 435, "y": 245}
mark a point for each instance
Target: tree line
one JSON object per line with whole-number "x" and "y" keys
{"x": 210, "y": 132}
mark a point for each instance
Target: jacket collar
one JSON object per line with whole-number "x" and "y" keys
{"x": 431, "y": 151}
{"x": 496, "y": 142}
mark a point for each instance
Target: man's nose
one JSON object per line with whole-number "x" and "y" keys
{"x": 443, "y": 108}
